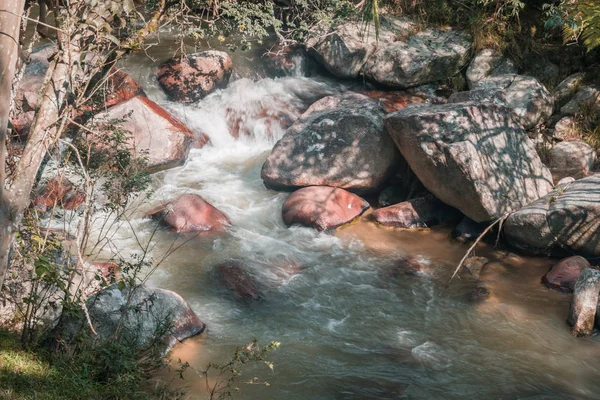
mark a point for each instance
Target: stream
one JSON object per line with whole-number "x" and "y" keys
{"x": 349, "y": 328}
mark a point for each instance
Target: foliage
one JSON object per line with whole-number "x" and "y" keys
{"x": 578, "y": 20}
{"x": 226, "y": 376}
{"x": 114, "y": 371}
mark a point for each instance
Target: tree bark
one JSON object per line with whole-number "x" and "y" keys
{"x": 10, "y": 23}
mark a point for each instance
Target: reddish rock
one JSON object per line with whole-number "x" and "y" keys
{"x": 74, "y": 201}
{"x": 190, "y": 213}
{"x": 53, "y": 193}
{"x": 565, "y": 273}
{"x": 286, "y": 269}
{"x": 273, "y": 119}
{"x": 421, "y": 212}
{"x": 194, "y": 76}
{"x": 108, "y": 270}
{"x": 393, "y": 101}
{"x": 322, "y": 207}
{"x": 155, "y": 134}
{"x": 234, "y": 277}
{"x": 118, "y": 88}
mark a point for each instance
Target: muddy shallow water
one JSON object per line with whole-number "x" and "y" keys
{"x": 349, "y": 329}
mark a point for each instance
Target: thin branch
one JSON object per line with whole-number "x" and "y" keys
{"x": 35, "y": 20}
{"x": 499, "y": 220}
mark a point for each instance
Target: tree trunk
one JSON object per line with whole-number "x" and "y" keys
{"x": 10, "y": 23}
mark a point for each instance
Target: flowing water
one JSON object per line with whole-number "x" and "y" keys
{"x": 348, "y": 327}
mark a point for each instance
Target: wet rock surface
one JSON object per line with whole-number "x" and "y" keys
{"x": 565, "y": 273}
{"x": 190, "y": 213}
{"x": 322, "y": 207}
{"x": 194, "y": 76}
{"x": 584, "y": 303}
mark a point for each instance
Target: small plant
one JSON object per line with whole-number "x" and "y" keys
{"x": 227, "y": 376}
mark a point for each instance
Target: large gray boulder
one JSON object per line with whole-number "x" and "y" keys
{"x": 474, "y": 157}
{"x": 529, "y": 100}
{"x": 428, "y": 56}
{"x": 488, "y": 62}
{"x": 584, "y": 303}
{"x": 346, "y": 49}
{"x": 339, "y": 141}
{"x": 565, "y": 220}
{"x": 143, "y": 315}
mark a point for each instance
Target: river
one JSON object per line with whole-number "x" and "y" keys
{"x": 349, "y": 329}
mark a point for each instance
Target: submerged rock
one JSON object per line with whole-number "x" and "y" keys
{"x": 155, "y": 134}
{"x": 322, "y": 207}
{"x": 574, "y": 159}
{"x": 468, "y": 230}
{"x": 339, "y": 141}
{"x": 194, "y": 76}
{"x": 565, "y": 220}
{"x": 584, "y": 303}
{"x": 143, "y": 315}
{"x": 421, "y": 212}
{"x": 565, "y": 273}
{"x": 190, "y": 213}
{"x": 233, "y": 276}
{"x": 529, "y": 100}
{"x": 473, "y": 157}
{"x": 427, "y": 56}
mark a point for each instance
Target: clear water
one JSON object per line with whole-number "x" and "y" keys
{"x": 348, "y": 328}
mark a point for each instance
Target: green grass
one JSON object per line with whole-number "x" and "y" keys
{"x": 108, "y": 373}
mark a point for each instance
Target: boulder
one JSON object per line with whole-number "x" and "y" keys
{"x": 142, "y": 314}
{"x": 155, "y": 134}
{"x": 584, "y": 302}
{"x": 543, "y": 70}
{"x": 565, "y": 273}
{"x": 574, "y": 159}
{"x": 192, "y": 77}
{"x": 234, "y": 277}
{"x": 421, "y": 212}
{"x": 190, "y": 213}
{"x": 119, "y": 88}
{"x": 488, "y": 62}
{"x": 587, "y": 99}
{"x": 566, "y": 129}
{"x": 428, "y": 56}
{"x": 529, "y": 100}
{"x": 564, "y": 91}
{"x": 565, "y": 220}
{"x": 473, "y": 157}
{"x": 339, "y": 141}
{"x": 345, "y": 50}
{"x": 322, "y": 207}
